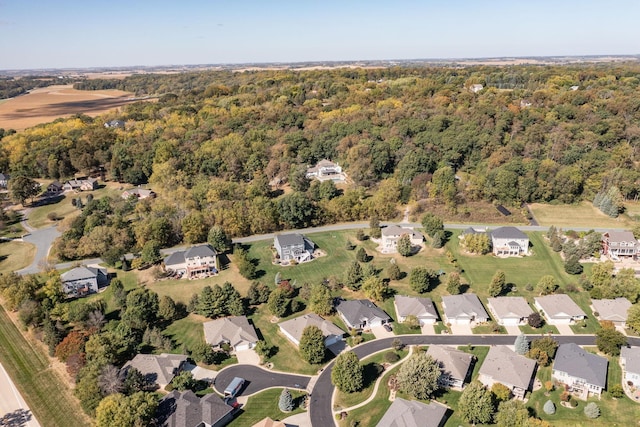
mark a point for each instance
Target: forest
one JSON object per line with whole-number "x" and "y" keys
{"x": 231, "y": 149}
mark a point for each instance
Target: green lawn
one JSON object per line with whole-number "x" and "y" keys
{"x": 370, "y": 415}
{"x": 582, "y": 214}
{"x": 265, "y": 404}
{"x": 591, "y": 325}
{"x": 545, "y": 329}
{"x": 51, "y": 401}
{"x": 15, "y": 255}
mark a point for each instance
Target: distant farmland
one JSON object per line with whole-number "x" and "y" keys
{"x": 47, "y": 104}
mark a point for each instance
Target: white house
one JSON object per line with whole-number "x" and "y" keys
{"x": 422, "y": 308}
{"x": 235, "y": 331}
{"x": 454, "y": 364}
{"x": 85, "y": 184}
{"x": 82, "y": 280}
{"x": 509, "y": 311}
{"x": 293, "y": 328}
{"x": 138, "y": 193}
{"x": 361, "y": 314}
{"x": 503, "y": 365}
{"x": 614, "y": 310}
{"x": 463, "y": 309}
{"x": 630, "y": 362}
{"x": 559, "y": 309}
{"x": 616, "y": 244}
{"x": 326, "y": 170}
{"x": 196, "y": 261}
{"x": 509, "y": 241}
{"x": 293, "y": 246}
{"x": 392, "y": 233}
{"x": 584, "y": 373}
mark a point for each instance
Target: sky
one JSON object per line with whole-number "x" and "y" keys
{"x": 98, "y": 33}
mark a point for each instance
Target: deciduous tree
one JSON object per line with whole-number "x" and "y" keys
{"x": 347, "y": 373}
{"x": 311, "y": 345}
{"x": 419, "y": 375}
{"x": 476, "y": 404}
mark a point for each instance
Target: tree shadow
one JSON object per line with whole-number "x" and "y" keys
{"x": 370, "y": 373}
{"x": 17, "y": 418}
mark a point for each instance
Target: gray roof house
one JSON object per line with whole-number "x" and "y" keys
{"x": 509, "y": 241}
{"x": 185, "y": 409}
{"x": 392, "y": 233}
{"x": 83, "y": 280}
{"x": 235, "y": 331}
{"x": 630, "y": 362}
{"x": 509, "y": 311}
{"x": 361, "y": 314}
{"x": 455, "y": 365}
{"x": 197, "y": 261}
{"x": 293, "y": 246}
{"x": 411, "y": 413}
{"x": 293, "y": 328}
{"x": 463, "y": 309}
{"x": 326, "y": 170}
{"x": 585, "y": 373}
{"x": 157, "y": 369}
{"x": 422, "y": 308}
{"x": 614, "y": 310}
{"x": 503, "y": 365}
{"x": 559, "y": 309}
{"x": 616, "y": 244}
{"x": 4, "y": 180}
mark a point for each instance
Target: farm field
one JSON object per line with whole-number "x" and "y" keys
{"x": 578, "y": 215}
{"x": 44, "y": 105}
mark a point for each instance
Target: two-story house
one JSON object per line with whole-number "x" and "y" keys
{"x": 584, "y": 373}
{"x": 509, "y": 241}
{"x": 84, "y": 184}
{"x": 326, "y": 170}
{"x": 616, "y": 244}
{"x": 293, "y": 246}
{"x": 503, "y": 365}
{"x": 83, "y": 280}
{"x": 392, "y": 233}
{"x": 200, "y": 260}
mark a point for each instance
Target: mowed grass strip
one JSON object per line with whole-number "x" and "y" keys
{"x": 583, "y": 215}
{"x": 51, "y": 401}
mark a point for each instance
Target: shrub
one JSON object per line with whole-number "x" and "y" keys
{"x": 52, "y": 216}
{"x": 592, "y": 410}
{"x": 391, "y": 357}
{"x": 549, "y": 408}
{"x": 616, "y": 391}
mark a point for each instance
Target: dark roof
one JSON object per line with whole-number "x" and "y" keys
{"x": 411, "y": 413}
{"x": 200, "y": 251}
{"x": 355, "y": 311}
{"x": 291, "y": 239}
{"x": 508, "y": 233}
{"x": 504, "y": 211}
{"x": 174, "y": 258}
{"x": 575, "y": 361}
{"x": 4, "y": 176}
{"x": 79, "y": 273}
{"x": 185, "y": 409}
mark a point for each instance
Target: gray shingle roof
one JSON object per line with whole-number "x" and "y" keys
{"x": 396, "y": 230}
{"x": 508, "y": 367}
{"x": 185, "y": 409}
{"x": 508, "y": 233}
{"x": 174, "y": 259}
{"x": 415, "y": 306}
{"x": 79, "y": 273}
{"x": 290, "y": 239}
{"x": 464, "y": 305}
{"x": 559, "y": 305}
{"x": 575, "y": 361}
{"x": 295, "y": 326}
{"x": 356, "y": 311}
{"x": 201, "y": 251}
{"x": 411, "y": 413}
{"x": 159, "y": 369}
{"x": 454, "y": 362}
{"x": 611, "y": 309}
{"x": 632, "y": 359}
{"x": 234, "y": 330}
{"x": 510, "y": 307}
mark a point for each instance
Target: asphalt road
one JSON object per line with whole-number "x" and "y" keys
{"x": 42, "y": 239}
{"x": 13, "y": 409}
{"x": 320, "y": 410}
{"x": 258, "y": 379}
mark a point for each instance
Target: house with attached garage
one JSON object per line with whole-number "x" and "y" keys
{"x": 584, "y": 373}
{"x": 559, "y": 309}
{"x": 422, "y": 308}
{"x": 157, "y": 369}
{"x": 630, "y": 362}
{"x": 455, "y": 365}
{"x": 509, "y": 241}
{"x": 235, "y": 331}
{"x": 293, "y": 246}
{"x": 410, "y": 413}
{"x": 616, "y": 244}
{"x": 84, "y": 184}
{"x": 185, "y": 409}
{"x": 361, "y": 314}
{"x": 463, "y": 309}
{"x": 200, "y": 260}
{"x": 83, "y": 280}
{"x": 392, "y": 233}
{"x": 54, "y": 188}
{"x": 503, "y": 365}
{"x": 293, "y": 328}
{"x": 326, "y": 170}
{"x": 509, "y": 311}
{"x": 138, "y": 193}
{"x": 613, "y": 310}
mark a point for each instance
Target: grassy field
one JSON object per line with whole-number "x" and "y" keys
{"x": 265, "y": 404}
{"x": 15, "y": 255}
{"x": 49, "y": 398}
{"x": 582, "y": 214}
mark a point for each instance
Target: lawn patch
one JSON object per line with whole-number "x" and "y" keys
{"x": 265, "y": 404}
{"x": 15, "y": 256}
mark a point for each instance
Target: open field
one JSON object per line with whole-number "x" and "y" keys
{"x": 15, "y": 256}
{"x": 44, "y": 105}
{"x": 51, "y": 401}
{"x": 579, "y": 215}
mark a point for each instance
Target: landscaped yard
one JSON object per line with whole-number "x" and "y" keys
{"x": 583, "y": 215}
{"x": 15, "y": 255}
{"x": 265, "y": 404}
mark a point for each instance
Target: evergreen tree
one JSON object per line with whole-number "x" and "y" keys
{"x": 404, "y": 245}
{"x": 393, "y": 271}
{"x": 278, "y": 303}
{"x": 285, "y": 402}
{"x": 420, "y": 279}
{"x": 498, "y": 284}
{"x": 320, "y": 300}
{"x": 311, "y": 345}
{"x": 592, "y": 410}
{"x": 258, "y": 293}
{"x": 347, "y": 373}
{"x": 361, "y": 255}
{"x": 354, "y": 276}
{"x": 549, "y": 408}
{"x": 521, "y": 344}
{"x": 218, "y": 239}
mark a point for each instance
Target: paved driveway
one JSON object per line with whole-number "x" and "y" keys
{"x": 461, "y": 330}
{"x": 428, "y": 330}
{"x": 258, "y": 379}
{"x": 381, "y": 332}
{"x": 42, "y": 239}
{"x": 565, "y": 330}
{"x": 513, "y": 330}
{"x": 248, "y": 357}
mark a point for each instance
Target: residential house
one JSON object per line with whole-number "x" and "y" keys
{"x": 157, "y": 369}
{"x": 616, "y": 244}
{"x": 293, "y": 246}
{"x": 509, "y": 241}
{"x": 185, "y": 409}
{"x": 361, "y": 314}
{"x": 559, "y": 309}
{"x": 505, "y": 366}
{"x": 411, "y": 413}
{"x": 630, "y": 362}
{"x": 83, "y": 280}
{"x": 326, "y": 170}
{"x": 455, "y": 365}
{"x": 54, "y": 188}
{"x": 138, "y": 193}
{"x": 83, "y": 184}
{"x": 200, "y": 260}
{"x": 392, "y": 233}
{"x": 584, "y": 373}
{"x": 509, "y": 311}
{"x": 4, "y": 180}
{"x": 268, "y": 422}
{"x": 422, "y": 308}
{"x": 293, "y": 328}
{"x": 472, "y": 230}
{"x": 235, "y": 331}
{"x": 115, "y": 124}
{"x": 614, "y": 310}
{"x": 463, "y": 309}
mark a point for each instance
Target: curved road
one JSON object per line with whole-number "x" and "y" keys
{"x": 258, "y": 379}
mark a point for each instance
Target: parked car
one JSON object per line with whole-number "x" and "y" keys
{"x": 387, "y": 327}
